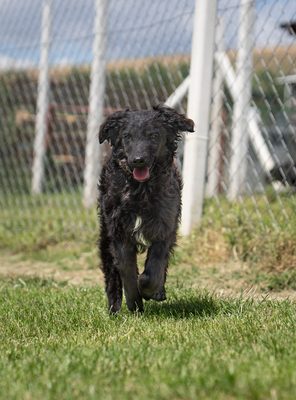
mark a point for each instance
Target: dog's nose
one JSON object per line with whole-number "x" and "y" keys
{"x": 138, "y": 162}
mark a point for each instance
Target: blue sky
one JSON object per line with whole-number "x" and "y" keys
{"x": 136, "y": 28}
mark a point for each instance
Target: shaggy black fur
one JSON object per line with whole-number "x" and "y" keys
{"x": 140, "y": 201}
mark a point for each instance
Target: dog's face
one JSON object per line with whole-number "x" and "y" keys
{"x": 146, "y": 137}
{"x": 143, "y": 141}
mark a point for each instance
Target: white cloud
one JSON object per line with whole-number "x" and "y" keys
{"x": 7, "y": 63}
{"x": 65, "y": 62}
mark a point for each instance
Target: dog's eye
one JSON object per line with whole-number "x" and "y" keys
{"x": 152, "y": 135}
{"x": 128, "y": 137}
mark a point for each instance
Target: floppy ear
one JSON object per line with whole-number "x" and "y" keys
{"x": 173, "y": 121}
{"x": 110, "y": 128}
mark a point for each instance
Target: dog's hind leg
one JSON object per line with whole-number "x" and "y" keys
{"x": 127, "y": 263}
{"x": 151, "y": 281}
{"x": 112, "y": 276}
{"x": 113, "y": 288}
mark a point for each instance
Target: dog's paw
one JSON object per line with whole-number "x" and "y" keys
{"x": 136, "y": 305}
{"x": 114, "y": 307}
{"x": 150, "y": 289}
{"x": 159, "y": 296}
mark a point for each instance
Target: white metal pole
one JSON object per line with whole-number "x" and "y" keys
{"x": 213, "y": 152}
{"x": 199, "y": 98}
{"x": 238, "y": 162}
{"x": 96, "y": 105}
{"x": 177, "y": 96}
{"x": 42, "y": 102}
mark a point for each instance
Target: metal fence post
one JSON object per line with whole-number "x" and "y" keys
{"x": 199, "y": 97}
{"x": 240, "y": 134}
{"x": 42, "y": 102}
{"x": 213, "y": 156}
{"x": 96, "y": 106}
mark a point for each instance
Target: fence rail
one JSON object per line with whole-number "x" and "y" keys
{"x": 56, "y": 86}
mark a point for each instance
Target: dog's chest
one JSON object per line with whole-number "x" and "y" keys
{"x": 138, "y": 234}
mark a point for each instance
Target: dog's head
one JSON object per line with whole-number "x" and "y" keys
{"x": 146, "y": 137}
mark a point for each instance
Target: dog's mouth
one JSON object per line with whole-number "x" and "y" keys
{"x": 141, "y": 173}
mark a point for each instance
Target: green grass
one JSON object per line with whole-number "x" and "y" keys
{"x": 58, "y": 342}
{"x": 30, "y": 223}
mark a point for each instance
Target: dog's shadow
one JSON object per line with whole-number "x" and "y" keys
{"x": 201, "y": 305}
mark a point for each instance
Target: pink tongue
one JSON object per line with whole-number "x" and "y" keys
{"x": 140, "y": 174}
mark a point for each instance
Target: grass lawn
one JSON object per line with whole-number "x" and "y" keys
{"x": 226, "y": 331}
{"x": 58, "y": 342}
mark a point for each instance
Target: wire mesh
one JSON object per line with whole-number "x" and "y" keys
{"x": 148, "y": 57}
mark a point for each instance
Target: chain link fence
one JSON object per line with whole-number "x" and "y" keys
{"x": 147, "y": 55}
{"x": 262, "y": 54}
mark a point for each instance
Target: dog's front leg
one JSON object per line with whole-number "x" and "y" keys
{"x": 127, "y": 264}
{"x": 151, "y": 281}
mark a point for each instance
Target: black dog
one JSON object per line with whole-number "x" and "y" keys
{"x": 140, "y": 201}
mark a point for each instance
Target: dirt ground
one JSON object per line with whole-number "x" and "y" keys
{"x": 12, "y": 266}
{"x": 232, "y": 278}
